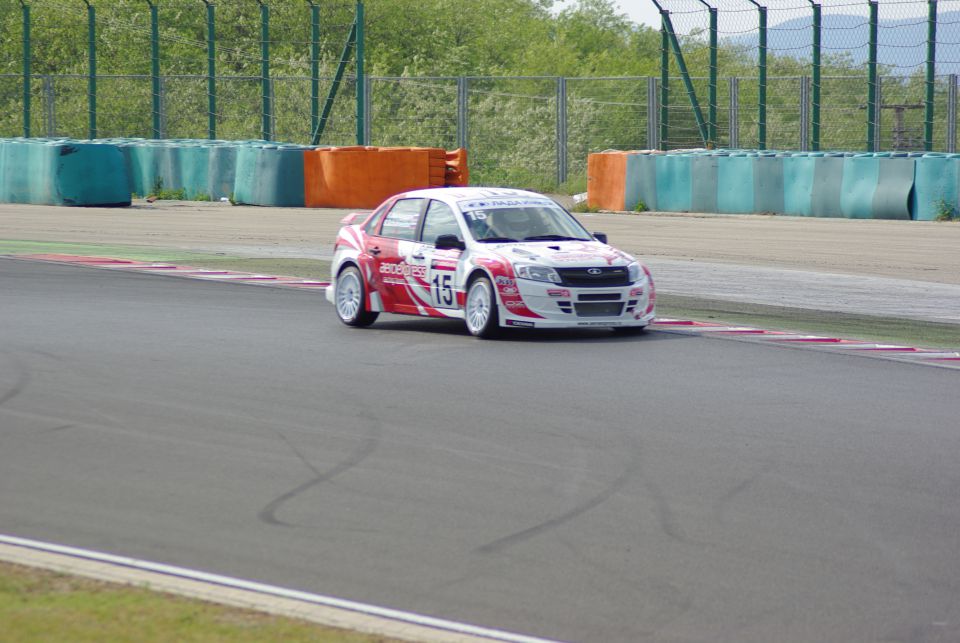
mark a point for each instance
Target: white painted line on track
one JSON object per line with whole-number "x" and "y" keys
{"x": 335, "y": 612}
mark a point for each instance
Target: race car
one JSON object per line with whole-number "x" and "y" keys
{"x": 495, "y": 258}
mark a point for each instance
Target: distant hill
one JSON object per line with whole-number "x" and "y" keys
{"x": 901, "y": 43}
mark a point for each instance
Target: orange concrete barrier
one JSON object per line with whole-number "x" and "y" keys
{"x": 607, "y": 180}
{"x": 457, "y": 173}
{"x": 362, "y": 177}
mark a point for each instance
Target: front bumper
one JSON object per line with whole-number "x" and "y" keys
{"x": 571, "y": 307}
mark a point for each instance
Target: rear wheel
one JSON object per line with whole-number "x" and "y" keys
{"x": 480, "y": 312}
{"x": 350, "y": 297}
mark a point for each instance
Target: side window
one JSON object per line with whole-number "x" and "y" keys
{"x": 401, "y": 221}
{"x": 439, "y": 219}
{"x": 375, "y": 220}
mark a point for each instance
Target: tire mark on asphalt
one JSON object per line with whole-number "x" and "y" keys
{"x": 19, "y": 384}
{"x": 269, "y": 512}
{"x": 720, "y": 508}
{"x": 595, "y": 501}
{"x": 665, "y": 516}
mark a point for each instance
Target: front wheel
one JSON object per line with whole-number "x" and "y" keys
{"x": 349, "y": 298}
{"x": 480, "y": 312}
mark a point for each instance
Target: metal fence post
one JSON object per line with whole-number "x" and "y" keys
{"x": 734, "y": 112}
{"x": 872, "y": 111}
{"x": 162, "y": 88}
{"x": 762, "y": 72}
{"x": 26, "y": 68}
{"x": 367, "y": 110}
{"x": 314, "y": 64}
{"x": 361, "y": 79}
{"x": 664, "y": 83}
{"x": 49, "y": 107}
{"x": 952, "y": 114}
{"x": 265, "y": 111}
{"x": 653, "y": 142}
{"x": 462, "y": 106}
{"x": 211, "y": 71}
{"x": 92, "y": 69}
{"x": 804, "y": 113}
{"x": 561, "y": 130}
{"x": 815, "y": 116}
{"x": 273, "y": 112}
{"x": 931, "y": 71}
{"x": 712, "y": 108}
{"x": 877, "y": 131}
{"x": 155, "y": 65}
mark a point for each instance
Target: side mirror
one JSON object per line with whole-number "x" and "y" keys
{"x": 449, "y": 242}
{"x": 350, "y": 219}
{"x": 600, "y": 236}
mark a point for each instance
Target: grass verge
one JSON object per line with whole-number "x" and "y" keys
{"x": 40, "y": 605}
{"x": 884, "y": 330}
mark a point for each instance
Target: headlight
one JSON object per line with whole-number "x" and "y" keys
{"x": 634, "y": 272}
{"x": 536, "y": 273}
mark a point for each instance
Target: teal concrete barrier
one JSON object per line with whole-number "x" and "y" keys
{"x": 892, "y": 198}
{"x": 704, "y": 181}
{"x": 673, "y": 182}
{"x": 768, "y": 185}
{"x": 798, "y": 182}
{"x": 203, "y": 169}
{"x": 270, "y": 175}
{"x": 876, "y": 186}
{"x": 858, "y": 186}
{"x": 735, "y": 184}
{"x": 59, "y": 172}
{"x": 641, "y": 181}
{"x": 221, "y": 170}
{"x": 936, "y": 181}
{"x": 827, "y": 185}
{"x": 820, "y": 184}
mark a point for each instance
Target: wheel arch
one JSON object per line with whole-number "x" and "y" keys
{"x": 481, "y": 271}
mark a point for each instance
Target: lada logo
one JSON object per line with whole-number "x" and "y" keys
{"x": 594, "y": 271}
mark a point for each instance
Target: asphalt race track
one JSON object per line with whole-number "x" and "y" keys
{"x": 580, "y": 486}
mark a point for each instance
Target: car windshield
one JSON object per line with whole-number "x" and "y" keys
{"x": 509, "y": 220}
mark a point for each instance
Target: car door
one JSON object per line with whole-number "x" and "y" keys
{"x": 393, "y": 242}
{"x": 439, "y": 266}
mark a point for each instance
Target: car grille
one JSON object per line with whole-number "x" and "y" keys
{"x": 604, "y": 309}
{"x": 607, "y": 277}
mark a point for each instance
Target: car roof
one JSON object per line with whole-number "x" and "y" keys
{"x": 458, "y": 194}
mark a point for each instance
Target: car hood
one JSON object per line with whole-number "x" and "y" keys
{"x": 560, "y": 254}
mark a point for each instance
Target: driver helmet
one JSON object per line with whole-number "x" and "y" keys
{"x": 515, "y": 223}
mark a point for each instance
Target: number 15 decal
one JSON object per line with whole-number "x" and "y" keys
{"x": 442, "y": 289}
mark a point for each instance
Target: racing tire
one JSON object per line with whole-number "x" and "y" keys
{"x": 480, "y": 312}
{"x": 350, "y": 295}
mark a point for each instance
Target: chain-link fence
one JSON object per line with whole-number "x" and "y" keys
{"x": 535, "y": 132}
{"x": 772, "y": 74}
{"x": 869, "y": 75}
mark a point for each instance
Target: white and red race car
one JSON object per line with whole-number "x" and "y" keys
{"x": 492, "y": 257}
